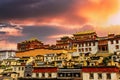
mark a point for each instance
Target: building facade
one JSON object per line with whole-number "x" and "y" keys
{"x": 101, "y": 73}
{"x": 90, "y": 42}
{"x": 31, "y": 44}
{"x": 69, "y": 74}
{"x": 5, "y": 54}
{"x": 64, "y": 43}
{"x": 44, "y": 72}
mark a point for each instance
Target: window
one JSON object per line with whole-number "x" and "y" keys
{"x": 61, "y": 75}
{"x": 43, "y": 75}
{"x": 117, "y": 41}
{"x": 82, "y": 49}
{"x": 75, "y": 45}
{"x": 82, "y": 45}
{"x": 117, "y": 46}
{"x": 89, "y": 49}
{"x": 19, "y": 68}
{"x": 49, "y": 74}
{"x": 91, "y": 76}
{"x": 79, "y": 50}
{"x": 111, "y": 41}
{"x": 86, "y": 44}
{"x": 93, "y": 43}
{"x": 89, "y": 44}
{"x": 79, "y": 45}
{"x": 68, "y": 75}
{"x": 77, "y": 75}
{"x": 37, "y": 74}
{"x": 86, "y": 49}
{"x": 22, "y": 68}
{"x": 99, "y": 76}
{"x": 108, "y": 76}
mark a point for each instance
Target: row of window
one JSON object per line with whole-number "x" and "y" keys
{"x": 65, "y": 47}
{"x": 18, "y": 68}
{"x": 43, "y": 75}
{"x": 89, "y": 49}
{"x": 85, "y": 49}
{"x": 69, "y": 75}
{"x": 112, "y": 42}
{"x": 87, "y": 44}
{"x": 100, "y": 76}
{"x": 117, "y": 46}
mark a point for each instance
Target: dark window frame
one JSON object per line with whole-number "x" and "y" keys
{"x": 99, "y": 75}
{"x": 108, "y": 76}
{"x": 91, "y": 76}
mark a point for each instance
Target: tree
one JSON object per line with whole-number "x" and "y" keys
{"x": 106, "y": 60}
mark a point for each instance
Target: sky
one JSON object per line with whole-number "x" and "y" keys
{"x": 48, "y": 20}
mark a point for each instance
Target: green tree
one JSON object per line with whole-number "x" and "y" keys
{"x": 105, "y": 61}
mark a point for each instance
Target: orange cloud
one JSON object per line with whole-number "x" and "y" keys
{"x": 59, "y": 36}
{"x": 7, "y": 45}
{"x": 98, "y": 11}
{"x": 95, "y": 12}
{"x": 103, "y": 31}
{"x": 11, "y": 31}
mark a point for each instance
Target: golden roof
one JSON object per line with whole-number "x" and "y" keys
{"x": 30, "y": 40}
{"x": 103, "y": 54}
{"x": 84, "y": 32}
{"x": 36, "y": 52}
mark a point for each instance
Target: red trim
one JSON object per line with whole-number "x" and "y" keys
{"x": 43, "y": 70}
{"x": 23, "y": 64}
{"x": 7, "y": 51}
{"x": 100, "y": 69}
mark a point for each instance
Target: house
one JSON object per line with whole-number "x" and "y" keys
{"x": 5, "y": 54}
{"x": 100, "y": 73}
{"x": 44, "y": 72}
{"x": 19, "y": 69}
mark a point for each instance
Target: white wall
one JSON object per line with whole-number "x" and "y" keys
{"x": 104, "y": 77}
{"x": 53, "y": 75}
{"x": 112, "y": 47}
{"x": 94, "y": 49}
{"x": 6, "y": 54}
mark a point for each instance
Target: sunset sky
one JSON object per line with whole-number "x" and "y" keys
{"x": 49, "y": 20}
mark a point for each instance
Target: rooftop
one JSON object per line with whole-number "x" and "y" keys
{"x": 36, "y": 52}
{"x": 84, "y": 32}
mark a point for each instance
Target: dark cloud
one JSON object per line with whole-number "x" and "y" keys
{"x": 87, "y": 27}
{"x": 19, "y": 9}
{"x": 8, "y": 24}
{"x": 2, "y": 32}
{"x": 41, "y": 32}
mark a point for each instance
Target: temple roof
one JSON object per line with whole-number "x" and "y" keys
{"x": 84, "y": 32}
{"x": 100, "y": 69}
{"x": 30, "y": 40}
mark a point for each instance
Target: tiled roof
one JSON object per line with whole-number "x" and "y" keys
{"x": 84, "y": 32}
{"x": 100, "y": 69}
{"x": 44, "y": 69}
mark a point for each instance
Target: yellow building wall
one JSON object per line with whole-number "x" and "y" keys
{"x": 36, "y": 52}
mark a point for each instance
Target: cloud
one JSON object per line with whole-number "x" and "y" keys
{"x": 59, "y": 36}
{"x": 87, "y": 27}
{"x": 20, "y": 9}
{"x": 9, "y": 29}
{"x": 7, "y": 44}
{"x": 2, "y": 32}
{"x": 67, "y": 12}
{"x": 50, "y": 19}
{"x": 45, "y": 33}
